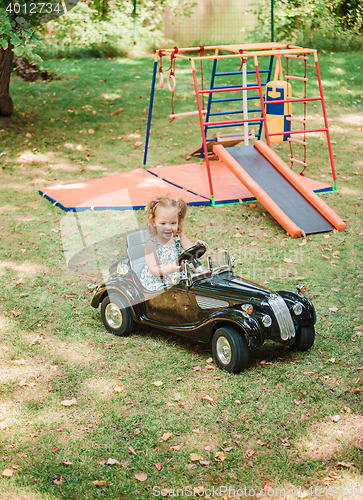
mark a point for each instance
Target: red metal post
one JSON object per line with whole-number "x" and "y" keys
{"x": 325, "y": 121}
{"x": 203, "y": 134}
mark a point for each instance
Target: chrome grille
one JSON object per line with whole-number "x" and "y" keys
{"x": 208, "y": 303}
{"x": 283, "y": 316}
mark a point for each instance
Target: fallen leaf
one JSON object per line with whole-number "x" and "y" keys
{"x": 249, "y": 453}
{"x": 7, "y": 473}
{"x": 208, "y": 398}
{"x": 190, "y": 466}
{"x": 22, "y": 382}
{"x": 112, "y": 461}
{"x": 159, "y": 465}
{"x": 91, "y": 131}
{"x": 197, "y": 368}
{"x": 66, "y": 462}
{"x": 99, "y": 483}
{"x": 302, "y": 494}
{"x": 333, "y": 309}
{"x": 210, "y": 360}
{"x": 195, "y": 457}
{"x": 335, "y": 418}
{"x": 131, "y": 450}
{"x": 3, "y": 423}
{"x": 204, "y": 462}
{"x": 332, "y": 360}
{"x": 137, "y": 144}
{"x": 141, "y": 477}
{"x": 288, "y": 261}
{"x": 118, "y": 387}
{"x": 166, "y": 436}
{"x": 58, "y": 480}
{"x": 261, "y": 443}
{"x": 19, "y": 361}
{"x": 219, "y": 456}
{"x": 176, "y": 447}
{"x": 341, "y": 465}
{"x": 69, "y": 402}
{"x": 16, "y": 312}
{"x": 158, "y": 383}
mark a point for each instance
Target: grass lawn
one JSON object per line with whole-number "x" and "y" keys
{"x": 292, "y": 423}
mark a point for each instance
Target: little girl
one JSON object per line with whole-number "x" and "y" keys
{"x": 167, "y": 242}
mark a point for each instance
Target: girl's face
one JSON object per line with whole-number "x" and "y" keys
{"x": 166, "y": 223}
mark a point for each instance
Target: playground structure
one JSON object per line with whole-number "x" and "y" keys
{"x": 228, "y": 173}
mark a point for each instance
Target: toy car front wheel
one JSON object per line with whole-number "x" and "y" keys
{"x": 116, "y": 315}
{"x": 230, "y": 349}
{"x": 304, "y": 338}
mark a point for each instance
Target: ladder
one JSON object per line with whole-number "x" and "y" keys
{"x": 214, "y": 99}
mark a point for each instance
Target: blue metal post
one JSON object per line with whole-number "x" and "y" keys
{"x": 150, "y": 109}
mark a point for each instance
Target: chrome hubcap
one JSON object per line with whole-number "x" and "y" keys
{"x": 224, "y": 350}
{"x": 113, "y": 315}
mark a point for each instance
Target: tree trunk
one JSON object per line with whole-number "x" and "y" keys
{"x": 6, "y": 62}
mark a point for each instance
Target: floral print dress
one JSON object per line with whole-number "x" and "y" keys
{"x": 166, "y": 255}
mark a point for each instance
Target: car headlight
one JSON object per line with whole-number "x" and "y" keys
{"x": 298, "y": 308}
{"x": 266, "y": 321}
{"x": 122, "y": 269}
{"x": 92, "y": 287}
{"x": 247, "y": 308}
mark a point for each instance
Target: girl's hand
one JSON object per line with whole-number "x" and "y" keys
{"x": 176, "y": 268}
{"x": 201, "y": 242}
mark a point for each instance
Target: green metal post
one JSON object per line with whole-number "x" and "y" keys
{"x": 134, "y": 16}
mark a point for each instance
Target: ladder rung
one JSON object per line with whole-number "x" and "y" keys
{"x": 297, "y": 120}
{"x": 291, "y": 56}
{"x": 300, "y": 78}
{"x": 187, "y": 113}
{"x": 294, "y": 160}
{"x": 297, "y": 141}
{"x": 227, "y": 89}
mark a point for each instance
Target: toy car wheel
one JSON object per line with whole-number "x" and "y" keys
{"x": 116, "y": 315}
{"x": 304, "y": 338}
{"x": 230, "y": 349}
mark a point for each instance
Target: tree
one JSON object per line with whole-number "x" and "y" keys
{"x": 17, "y": 37}
{"x": 19, "y": 27}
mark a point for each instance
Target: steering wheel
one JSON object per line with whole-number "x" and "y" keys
{"x": 192, "y": 254}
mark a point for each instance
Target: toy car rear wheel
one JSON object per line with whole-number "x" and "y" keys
{"x": 116, "y": 315}
{"x": 230, "y": 349}
{"x": 304, "y": 338}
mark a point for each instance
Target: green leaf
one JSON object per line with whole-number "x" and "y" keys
{"x": 4, "y": 43}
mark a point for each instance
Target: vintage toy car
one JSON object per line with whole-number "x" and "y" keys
{"x": 204, "y": 304}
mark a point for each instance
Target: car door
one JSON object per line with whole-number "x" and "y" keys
{"x": 173, "y": 307}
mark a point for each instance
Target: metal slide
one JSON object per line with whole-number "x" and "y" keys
{"x": 282, "y": 192}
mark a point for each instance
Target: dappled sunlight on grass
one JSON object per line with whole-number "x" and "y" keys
{"x": 15, "y": 492}
{"x": 331, "y": 440}
{"x": 26, "y": 269}
{"x": 350, "y": 191}
{"x": 351, "y": 119}
{"x": 35, "y": 159}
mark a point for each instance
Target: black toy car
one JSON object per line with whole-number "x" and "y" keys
{"x": 204, "y": 304}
